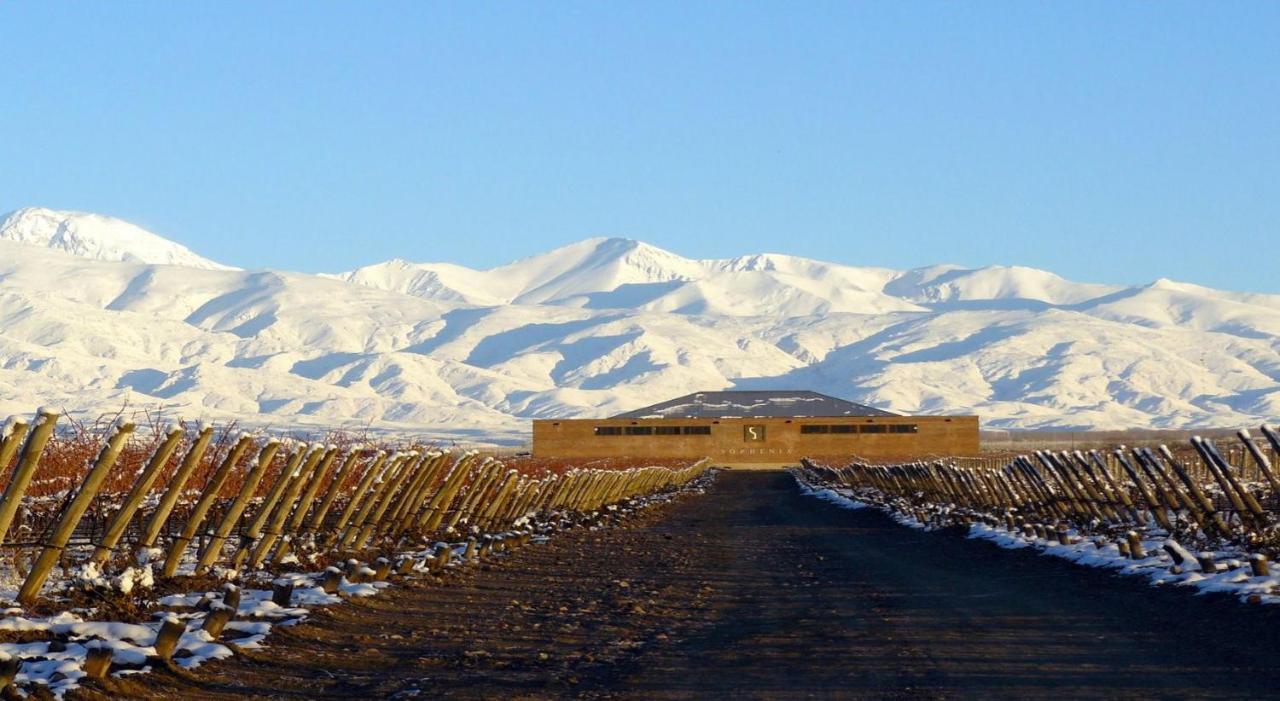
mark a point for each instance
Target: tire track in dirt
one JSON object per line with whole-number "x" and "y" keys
{"x": 756, "y": 591}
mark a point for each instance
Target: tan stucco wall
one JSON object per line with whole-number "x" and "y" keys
{"x": 783, "y": 442}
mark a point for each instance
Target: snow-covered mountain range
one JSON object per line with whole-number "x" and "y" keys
{"x": 98, "y": 237}
{"x": 96, "y": 313}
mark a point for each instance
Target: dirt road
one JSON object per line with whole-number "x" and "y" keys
{"x": 756, "y": 591}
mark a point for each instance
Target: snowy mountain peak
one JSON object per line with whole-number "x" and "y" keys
{"x": 595, "y": 265}
{"x": 606, "y": 325}
{"x": 98, "y": 237}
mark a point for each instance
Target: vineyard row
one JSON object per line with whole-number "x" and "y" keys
{"x": 265, "y": 504}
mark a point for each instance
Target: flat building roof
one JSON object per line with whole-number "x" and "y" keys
{"x": 753, "y": 404}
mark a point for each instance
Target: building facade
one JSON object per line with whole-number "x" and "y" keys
{"x": 757, "y": 428}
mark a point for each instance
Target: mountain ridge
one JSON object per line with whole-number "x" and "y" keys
{"x": 97, "y": 237}
{"x": 608, "y": 325}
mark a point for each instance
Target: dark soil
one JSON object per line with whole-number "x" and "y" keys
{"x": 755, "y": 591}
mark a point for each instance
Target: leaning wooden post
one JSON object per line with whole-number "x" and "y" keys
{"x": 317, "y": 518}
{"x": 524, "y": 487}
{"x": 120, "y": 520}
{"x": 312, "y": 480}
{"x": 1260, "y": 461}
{"x": 11, "y": 436}
{"x": 283, "y": 508}
{"x": 485, "y": 518}
{"x": 416, "y": 494}
{"x": 410, "y": 490}
{"x": 486, "y": 476}
{"x": 168, "y": 637}
{"x": 434, "y": 513}
{"x": 232, "y": 516}
{"x": 204, "y": 504}
{"x": 249, "y": 536}
{"x": 374, "y": 519}
{"x": 179, "y": 481}
{"x": 395, "y": 466}
{"x": 217, "y": 619}
{"x": 37, "y": 437}
{"x": 527, "y": 502}
{"x": 358, "y": 497}
{"x": 71, "y": 517}
{"x": 426, "y": 488}
{"x": 309, "y": 495}
{"x": 1198, "y": 495}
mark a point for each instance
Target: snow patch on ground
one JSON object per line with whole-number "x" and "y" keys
{"x": 1234, "y": 575}
{"x": 133, "y": 644}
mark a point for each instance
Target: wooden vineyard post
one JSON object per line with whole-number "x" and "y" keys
{"x": 72, "y": 514}
{"x": 282, "y": 592}
{"x": 1258, "y": 564}
{"x": 394, "y": 467}
{"x": 489, "y": 472}
{"x": 205, "y": 503}
{"x": 1152, "y": 502}
{"x": 409, "y": 493}
{"x": 525, "y": 492}
{"x": 433, "y": 514}
{"x": 373, "y": 472}
{"x": 285, "y": 505}
{"x": 317, "y": 519}
{"x": 1214, "y": 460}
{"x": 1194, "y": 489}
{"x": 9, "y": 444}
{"x": 1223, "y": 480}
{"x": 232, "y": 516}
{"x": 484, "y": 520}
{"x": 1167, "y": 485}
{"x": 217, "y": 619}
{"x": 1135, "y": 545}
{"x": 375, "y": 519}
{"x": 37, "y": 437}
{"x": 251, "y": 534}
{"x": 97, "y": 660}
{"x": 447, "y": 505}
{"x": 170, "y": 499}
{"x": 557, "y": 496}
{"x": 168, "y": 637}
{"x": 9, "y": 666}
{"x": 1260, "y": 461}
{"x": 508, "y": 514}
{"x": 417, "y": 494}
{"x": 292, "y": 526}
{"x": 309, "y": 495}
{"x": 141, "y": 487}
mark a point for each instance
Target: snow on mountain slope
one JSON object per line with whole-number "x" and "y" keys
{"x": 608, "y": 325}
{"x": 625, "y": 274}
{"x": 582, "y": 268}
{"x": 998, "y": 286}
{"x": 441, "y": 281}
{"x": 98, "y": 237}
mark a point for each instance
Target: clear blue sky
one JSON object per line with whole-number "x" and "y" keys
{"x": 1107, "y": 141}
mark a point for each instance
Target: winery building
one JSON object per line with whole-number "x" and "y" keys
{"x": 757, "y": 427}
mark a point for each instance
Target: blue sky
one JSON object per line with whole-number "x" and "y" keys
{"x": 1111, "y": 142}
